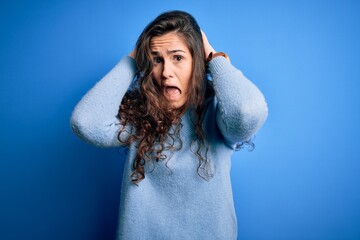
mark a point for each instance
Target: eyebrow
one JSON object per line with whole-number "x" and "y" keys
{"x": 169, "y": 52}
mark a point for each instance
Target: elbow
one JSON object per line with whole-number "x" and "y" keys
{"x": 246, "y": 121}
{"x": 252, "y": 118}
{"x": 259, "y": 114}
{"x": 79, "y": 125}
{"x": 85, "y": 129}
{"x": 93, "y": 132}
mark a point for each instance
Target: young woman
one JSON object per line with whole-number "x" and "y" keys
{"x": 180, "y": 127}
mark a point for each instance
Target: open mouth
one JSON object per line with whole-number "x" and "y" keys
{"x": 171, "y": 90}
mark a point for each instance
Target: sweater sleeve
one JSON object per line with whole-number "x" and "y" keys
{"x": 241, "y": 107}
{"x": 94, "y": 117}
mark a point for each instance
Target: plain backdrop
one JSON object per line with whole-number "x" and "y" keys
{"x": 301, "y": 181}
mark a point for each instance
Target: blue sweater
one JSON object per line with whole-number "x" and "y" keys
{"x": 173, "y": 201}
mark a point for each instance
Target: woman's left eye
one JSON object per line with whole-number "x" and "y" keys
{"x": 178, "y": 58}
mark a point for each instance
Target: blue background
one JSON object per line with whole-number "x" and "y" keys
{"x": 301, "y": 182}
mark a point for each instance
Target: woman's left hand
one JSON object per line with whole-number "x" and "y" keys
{"x": 207, "y": 46}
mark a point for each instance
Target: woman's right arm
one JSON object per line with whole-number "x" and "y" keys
{"x": 94, "y": 117}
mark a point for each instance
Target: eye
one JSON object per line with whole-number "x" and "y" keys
{"x": 157, "y": 60}
{"x": 178, "y": 58}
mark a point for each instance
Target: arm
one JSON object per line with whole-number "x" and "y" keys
{"x": 241, "y": 108}
{"x": 94, "y": 117}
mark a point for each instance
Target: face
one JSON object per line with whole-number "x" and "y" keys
{"x": 172, "y": 67}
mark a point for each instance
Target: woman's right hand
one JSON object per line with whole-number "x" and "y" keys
{"x": 132, "y": 54}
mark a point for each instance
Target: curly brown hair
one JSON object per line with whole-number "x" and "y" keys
{"x": 156, "y": 126}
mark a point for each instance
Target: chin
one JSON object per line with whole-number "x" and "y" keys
{"x": 177, "y": 105}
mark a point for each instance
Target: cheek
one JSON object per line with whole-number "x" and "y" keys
{"x": 156, "y": 76}
{"x": 187, "y": 77}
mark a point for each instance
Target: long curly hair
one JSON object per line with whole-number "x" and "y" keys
{"x": 155, "y": 125}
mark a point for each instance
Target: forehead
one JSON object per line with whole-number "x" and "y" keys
{"x": 168, "y": 41}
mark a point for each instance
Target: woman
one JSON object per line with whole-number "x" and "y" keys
{"x": 180, "y": 128}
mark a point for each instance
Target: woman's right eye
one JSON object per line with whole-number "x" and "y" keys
{"x": 157, "y": 60}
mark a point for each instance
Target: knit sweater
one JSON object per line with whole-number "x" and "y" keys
{"x": 173, "y": 201}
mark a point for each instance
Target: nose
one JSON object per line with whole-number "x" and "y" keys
{"x": 167, "y": 70}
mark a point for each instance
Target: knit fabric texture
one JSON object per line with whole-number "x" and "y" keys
{"x": 173, "y": 201}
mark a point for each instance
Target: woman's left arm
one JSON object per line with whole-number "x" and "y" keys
{"x": 241, "y": 107}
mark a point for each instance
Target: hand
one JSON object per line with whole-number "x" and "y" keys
{"x": 207, "y": 46}
{"x": 132, "y": 54}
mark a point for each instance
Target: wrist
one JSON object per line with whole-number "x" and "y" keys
{"x": 214, "y": 54}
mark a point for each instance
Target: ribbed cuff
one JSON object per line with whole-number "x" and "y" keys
{"x": 220, "y": 65}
